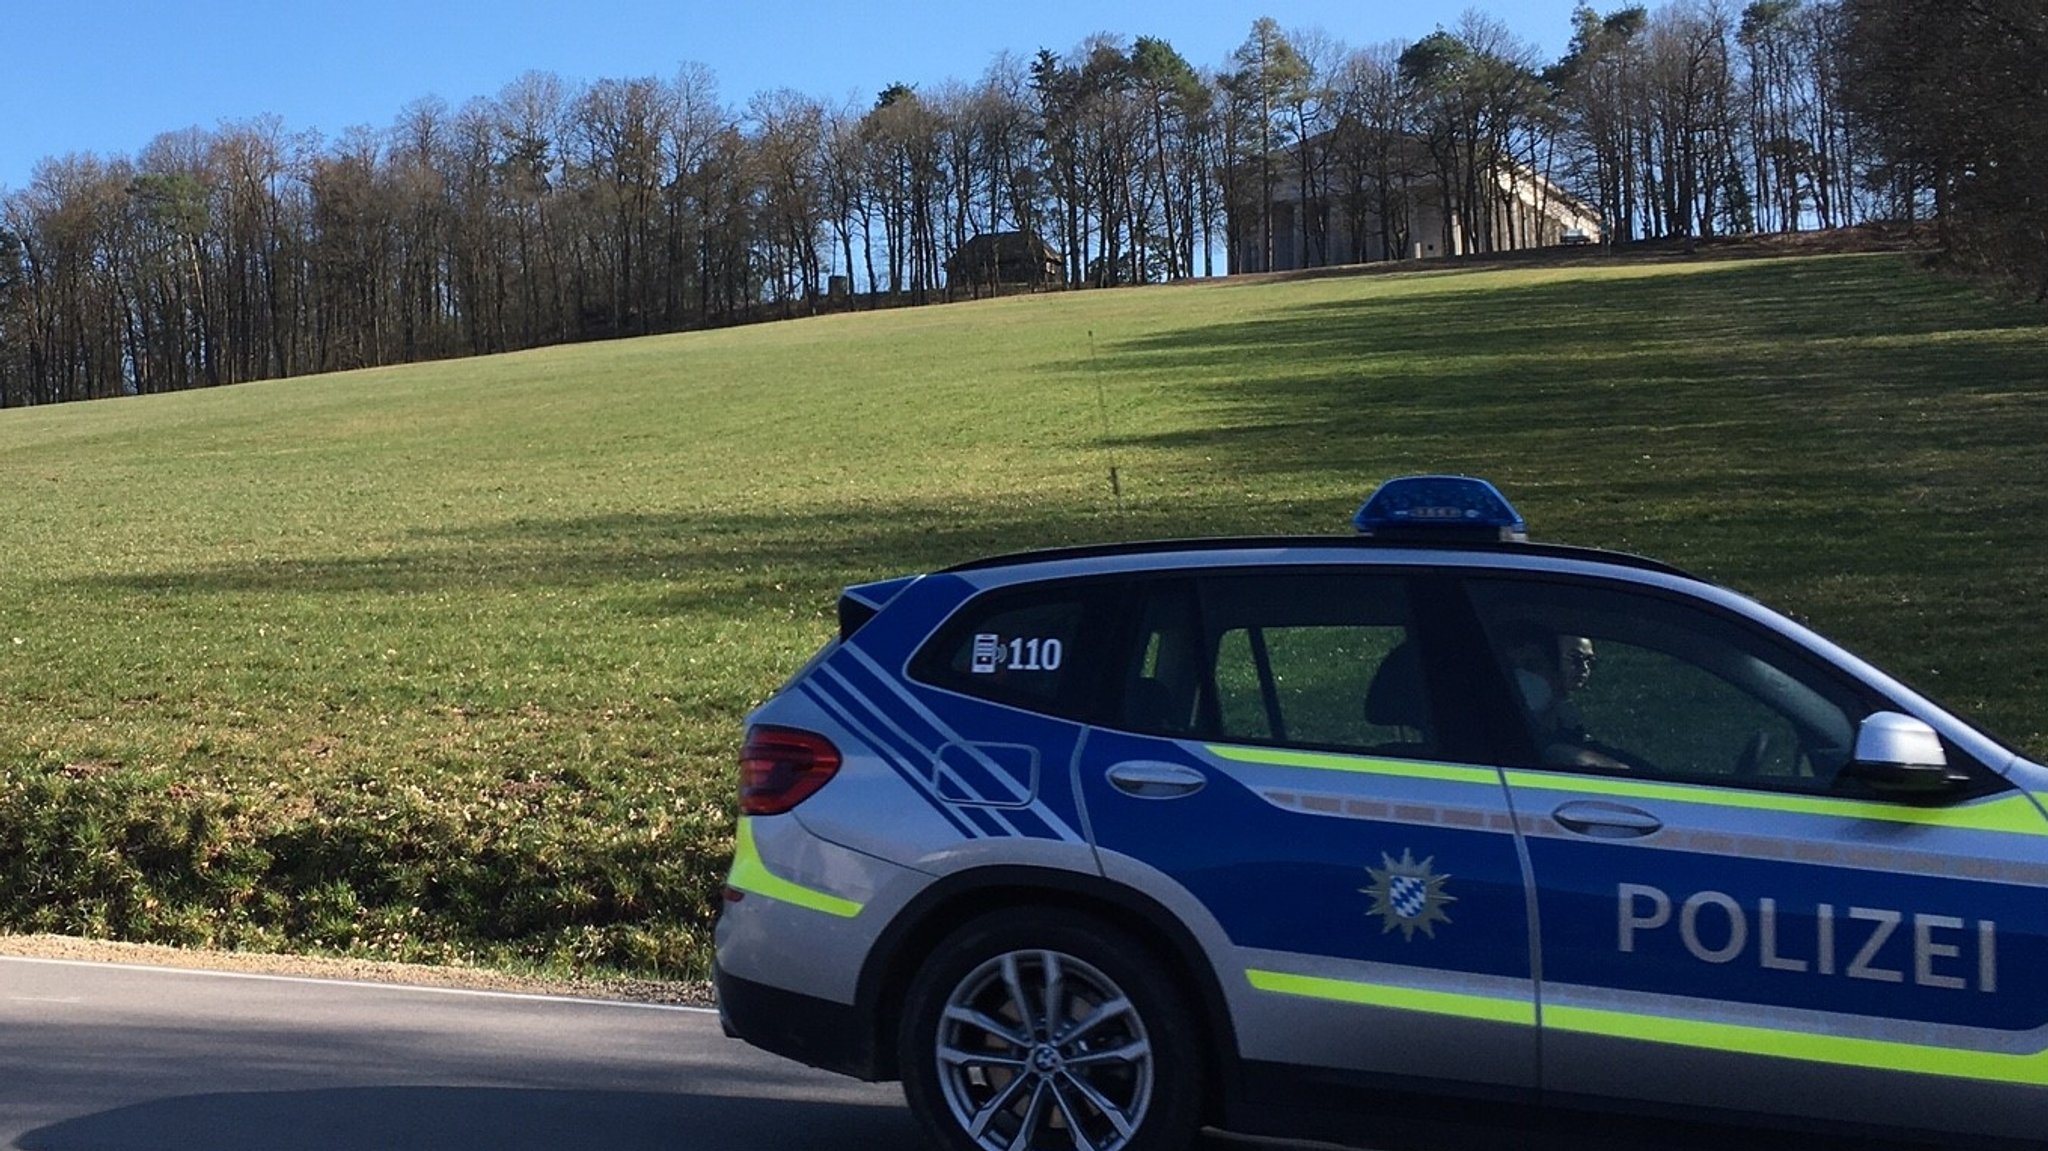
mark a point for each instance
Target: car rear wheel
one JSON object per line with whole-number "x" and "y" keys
{"x": 1037, "y": 1030}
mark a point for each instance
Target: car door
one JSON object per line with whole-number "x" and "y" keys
{"x": 1286, "y": 766}
{"x": 1730, "y": 922}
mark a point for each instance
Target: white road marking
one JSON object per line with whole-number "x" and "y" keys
{"x": 372, "y": 986}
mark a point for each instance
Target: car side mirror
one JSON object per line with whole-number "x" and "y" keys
{"x": 1900, "y": 755}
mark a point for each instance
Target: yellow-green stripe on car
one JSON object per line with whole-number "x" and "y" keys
{"x": 751, "y": 875}
{"x": 2027, "y": 1068}
{"x": 2013, "y": 814}
{"x": 1484, "y": 1007}
{"x": 1356, "y": 764}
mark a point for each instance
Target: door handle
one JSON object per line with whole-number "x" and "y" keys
{"x": 1606, "y": 820}
{"x": 1151, "y": 779}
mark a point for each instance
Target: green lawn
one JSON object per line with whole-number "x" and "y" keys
{"x": 448, "y": 661}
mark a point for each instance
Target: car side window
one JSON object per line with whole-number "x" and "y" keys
{"x": 1307, "y": 659}
{"x": 1029, "y": 647}
{"x": 1606, "y": 679}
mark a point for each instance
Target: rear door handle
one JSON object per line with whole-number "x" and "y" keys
{"x": 1606, "y": 820}
{"x": 1151, "y": 779}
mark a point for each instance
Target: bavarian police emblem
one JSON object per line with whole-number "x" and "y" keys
{"x": 1408, "y": 895}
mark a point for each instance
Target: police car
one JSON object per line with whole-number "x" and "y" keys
{"x": 1094, "y": 847}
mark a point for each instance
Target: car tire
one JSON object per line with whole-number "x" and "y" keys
{"x": 1112, "y": 1065}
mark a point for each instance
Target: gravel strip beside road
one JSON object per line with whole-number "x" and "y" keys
{"x": 682, "y": 992}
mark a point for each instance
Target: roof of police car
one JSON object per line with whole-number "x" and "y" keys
{"x": 1156, "y": 556}
{"x": 1409, "y": 546}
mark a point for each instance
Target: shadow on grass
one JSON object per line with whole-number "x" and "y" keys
{"x": 1713, "y": 352}
{"x": 660, "y": 561}
{"x": 1795, "y": 397}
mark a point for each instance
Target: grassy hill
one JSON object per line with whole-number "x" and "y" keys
{"x": 448, "y": 662}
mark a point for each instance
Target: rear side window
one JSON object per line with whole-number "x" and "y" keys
{"x": 1309, "y": 659}
{"x": 1320, "y": 677}
{"x": 1031, "y": 648}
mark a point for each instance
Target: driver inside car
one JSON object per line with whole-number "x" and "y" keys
{"x": 1546, "y": 669}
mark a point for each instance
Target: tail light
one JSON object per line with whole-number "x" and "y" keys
{"x": 781, "y": 766}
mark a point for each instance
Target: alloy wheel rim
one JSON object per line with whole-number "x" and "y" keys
{"x": 1038, "y": 1051}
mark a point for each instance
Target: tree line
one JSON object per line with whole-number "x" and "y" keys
{"x": 558, "y": 211}
{"x": 1954, "y": 96}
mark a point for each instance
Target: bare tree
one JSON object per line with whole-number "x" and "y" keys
{"x": 1310, "y": 108}
{"x": 1954, "y": 95}
{"x": 1599, "y": 83}
{"x": 414, "y": 163}
{"x": 1374, "y": 158}
{"x": 843, "y": 176}
{"x": 1687, "y": 82}
{"x": 621, "y": 128}
{"x": 790, "y": 151}
{"x": 1267, "y": 69}
{"x": 532, "y": 116}
{"x": 1175, "y": 103}
{"x": 1010, "y": 162}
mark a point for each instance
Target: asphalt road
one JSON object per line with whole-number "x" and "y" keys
{"x": 117, "y": 1058}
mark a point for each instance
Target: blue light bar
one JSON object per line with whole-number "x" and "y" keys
{"x": 1440, "y": 508}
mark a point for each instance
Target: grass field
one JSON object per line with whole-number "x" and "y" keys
{"x": 447, "y": 662}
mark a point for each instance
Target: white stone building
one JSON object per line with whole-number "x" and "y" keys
{"x": 1345, "y": 225}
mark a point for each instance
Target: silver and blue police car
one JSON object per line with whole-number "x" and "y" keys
{"x": 1352, "y": 836}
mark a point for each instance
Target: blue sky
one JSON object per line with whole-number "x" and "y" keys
{"x": 104, "y": 76}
